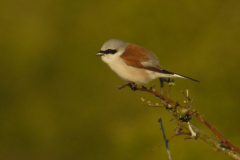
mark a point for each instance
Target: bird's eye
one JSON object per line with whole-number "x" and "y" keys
{"x": 111, "y": 51}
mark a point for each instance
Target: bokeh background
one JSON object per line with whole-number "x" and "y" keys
{"x": 59, "y": 101}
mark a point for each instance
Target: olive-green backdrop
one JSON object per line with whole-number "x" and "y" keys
{"x": 59, "y": 101}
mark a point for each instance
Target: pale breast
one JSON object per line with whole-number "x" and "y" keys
{"x": 129, "y": 73}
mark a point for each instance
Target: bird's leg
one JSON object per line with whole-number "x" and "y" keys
{"x": 168, "y": 80}
{"x": 161, "y": 84}
{"x": 133, "y": 86}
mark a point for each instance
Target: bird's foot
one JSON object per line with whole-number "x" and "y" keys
{"x": 132, "y": 85}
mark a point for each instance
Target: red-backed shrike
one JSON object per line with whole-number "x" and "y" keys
{"x": 134, "y": 63}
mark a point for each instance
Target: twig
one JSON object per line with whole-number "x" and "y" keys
{"x": 165, "y": 140}
{"x": 163, "y": 97}
{"x": 215, "y": 144}
{"x": 175, "y": 135}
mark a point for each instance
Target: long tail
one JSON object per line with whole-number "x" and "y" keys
{"x": 169, "y": 74}
{"x": 181, "y": 76}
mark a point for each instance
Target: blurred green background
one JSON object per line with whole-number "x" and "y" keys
{"x": 59, "y": 101}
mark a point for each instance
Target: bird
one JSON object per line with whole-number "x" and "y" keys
{"x": 133, "y": 63}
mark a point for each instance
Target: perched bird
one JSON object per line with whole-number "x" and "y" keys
{"x": 134, "y": 63}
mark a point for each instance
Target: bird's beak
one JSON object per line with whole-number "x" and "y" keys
{"x": 100, "y": 53}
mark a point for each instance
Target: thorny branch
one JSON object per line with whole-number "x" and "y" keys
{"x": 224, "y": 144}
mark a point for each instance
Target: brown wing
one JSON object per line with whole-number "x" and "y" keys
{"x": 140, "y": 57}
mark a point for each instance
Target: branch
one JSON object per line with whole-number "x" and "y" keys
{"x": 225, "y": 145}
{"x": 215, "y": 143}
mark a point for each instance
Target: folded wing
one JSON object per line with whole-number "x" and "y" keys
{"x": 140, "y": 57}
